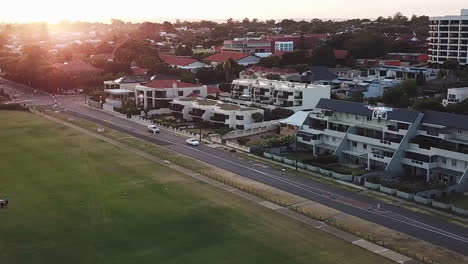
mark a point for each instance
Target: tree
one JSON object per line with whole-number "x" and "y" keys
{"x": 134, "y": 50}
{"x": 451, "y": 64}
{"x": 323, "y": 55}
{"x": 431, "y": 104}
{"x": 183, "y": 50}
{"x": 257, "y": 117}
{"x": 270, "y": 62}
{"x": 294, "y": 58}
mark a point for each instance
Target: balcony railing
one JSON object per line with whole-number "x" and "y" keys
{"x": 219, "y": 118}
{"x": 197, "y": 112}
{"x": 425, "y": 142}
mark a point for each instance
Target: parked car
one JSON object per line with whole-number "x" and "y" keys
{"x": 153, "y": 129}
{"x": 193, "y": 142}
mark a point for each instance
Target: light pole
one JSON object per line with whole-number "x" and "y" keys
{"x": 295, "y": 146}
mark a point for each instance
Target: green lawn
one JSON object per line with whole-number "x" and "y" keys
{"x": 458, "y": 200}
{"x": 76, "y": 199}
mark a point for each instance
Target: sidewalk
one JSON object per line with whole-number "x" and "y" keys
{"x": 389, "y": 254}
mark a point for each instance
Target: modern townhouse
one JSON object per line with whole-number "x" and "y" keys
{"x": 269, "y": 93}
{"x": 455, "y": 95}
{"x": 449, "y": 38}
{"x": 157, "y": 94}
{"x": 220, "y": 114}
{"x": 432, "y": 144}
{"x": 402, "y": 73}
{"x": 345, "y": 88}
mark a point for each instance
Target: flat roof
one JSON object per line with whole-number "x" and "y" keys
{"x": 118, "y": 91}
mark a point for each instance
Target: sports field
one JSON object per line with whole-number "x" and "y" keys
{"x": 76, "y": 199}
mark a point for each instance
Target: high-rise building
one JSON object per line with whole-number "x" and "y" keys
{"x": 449, "y": 38}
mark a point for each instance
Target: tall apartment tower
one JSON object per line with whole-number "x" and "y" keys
{"x": 449, "y": 38}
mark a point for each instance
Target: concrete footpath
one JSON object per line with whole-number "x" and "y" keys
{"x": 379, "y": 250}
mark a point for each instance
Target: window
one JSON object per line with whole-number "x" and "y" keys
{"x": 364, "y": 146}
{"x": 369, "y": 118}
{"x": 334, "y": 139}
{"x": 239, "y": 117}
{"x": 356, "y": 117}
{"x": 354, "y": 144}
{"x": 444, "y": 160}
{"x": 460, "y": 132}
{"x": 240, "y": 127}
{"x": 181, "y": 93}
{"x": 196, "y": 91}
{"x": 347, "y": 115}
{"x": 454, "y": 163}
{"x": 327, "y": 138}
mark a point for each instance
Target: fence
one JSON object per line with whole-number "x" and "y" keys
{"x": 253, "y": 131}
{"x": 233, "y": 144}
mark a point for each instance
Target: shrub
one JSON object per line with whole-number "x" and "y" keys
{"x": 243, "y": 141}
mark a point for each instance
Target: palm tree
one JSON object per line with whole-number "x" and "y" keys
{"x": 227, "y": 67}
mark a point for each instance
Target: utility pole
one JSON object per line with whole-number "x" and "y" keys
{"x": 295, "y": 146}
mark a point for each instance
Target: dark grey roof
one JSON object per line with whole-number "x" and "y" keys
{"x": 446, "y": 119}
{"x": 313, "y": 74}
{"x": 398, "y": 114}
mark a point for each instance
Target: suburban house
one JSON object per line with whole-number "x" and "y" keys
{"x": 128, "y": 82}
{"x": 402, "y": 73}
{"x": 455, "y": 95}
{"x": 258, "y": 46}
{"x": 295, "y": 42}
{"x": 269, "y": 93}
{"x": 78, "y": 67}
{"x": 183, "y": 63}
{"x": 245, "y": 59}
{"x": 432, "y": 144}
{"x": 157, "y": 94}
{"x": 220, "y": 114}
{"x": 408, "y": 57}
{"x": 313, "y": 75}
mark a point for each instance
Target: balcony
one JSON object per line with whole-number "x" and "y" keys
{"x": 430, "y": 143}
{"x": 197, "y": 112}
{"x": 176, "y": 108}
{"x": 219, "y": 118}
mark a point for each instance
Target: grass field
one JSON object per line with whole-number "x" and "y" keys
{"x": 76, "y": 199}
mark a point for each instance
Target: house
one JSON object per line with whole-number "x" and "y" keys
{"x": 244, "y": 59}
{"x": 455, "y": 95}
{"x": 248, "y": 45}
{"x": 313, "y": 74}
{"x": 157, "y": 94}
{"x": 408, "y": 57}
{"x": 182, "y": 62}
{"x": 218, "y": 113}
{"x": 128, "y": 82}
{"x": 347, "y": 88}
{"x": 402, "y": 73}
{"x": 433, "y": 145}
{"x": 261, "y": 72}
{"x": 340, "y": 55}
{"x": 346, "y": 72}
{"x": 273, "y": 94}
{"x": 296, "y": 42}
{"x": 78, "y": 67}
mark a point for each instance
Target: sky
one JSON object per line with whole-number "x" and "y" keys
{"x": 152, "y": 10}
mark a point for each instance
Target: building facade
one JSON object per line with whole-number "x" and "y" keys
{"x": 432, "y": 145}
{"x": 220, "y": 114}
{"x": 402, "y": 73}
{"x": 449, "y": 38}
{"x": 455, "y": 95}
{"x": 247, "y": 45}
{"x": 294, "y": 96}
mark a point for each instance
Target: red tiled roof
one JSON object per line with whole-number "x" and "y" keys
{"x": 340, "y": 54}
{"x": 168, "y": 84}
{"x": 279, "y": 53}
{"x": 76, "y": 66}
{"x": 224, "y": 56}
{"x": 139, "y": 71}
{"x": 178, "y": 61}
{"x": 213, "y": 90}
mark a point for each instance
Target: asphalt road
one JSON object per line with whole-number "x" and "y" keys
{"x": 418, "y": 225}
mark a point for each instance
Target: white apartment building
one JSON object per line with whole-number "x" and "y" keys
{"x": 294, "y": 96}
{"x": 284, "y": 46}
{"x": 222, "y": 115}
{"x": 455, "y": 95}
{"x": 432, "y": 145}
{"x": 369, "y": 87}
{"x": 449, "y": 38}
{"x": 157, "y": 94}
{"x": 402, "y": 73}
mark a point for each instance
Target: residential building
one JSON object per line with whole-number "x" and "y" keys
{"x": 402, "y": 73}
{"x": 260, "y": 72}
{"x": 304, "y": 42}
{"x": 220, "y": 114}
{"x": 158, "y": 94}
{"x": 449, "y": 38}
{"x": 313, "y": 75}
{"x": 346, "y": 88}
{"x": 287, "y": 46}
{"x": 433, "y": 145}
{"x": 455, "y": 95}
{"x": 116, "y": 97}
{"x": 183, "y": 63}
{"x": 248, "y": 45}
{"x": 294, "y": 96}
{"x": 245, "y": 59}
{"x": 408, "y": 57}
{"x": 346, "y": 72}
{"x": 128, "y": 82}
